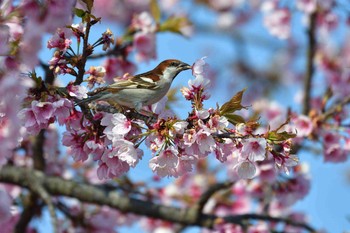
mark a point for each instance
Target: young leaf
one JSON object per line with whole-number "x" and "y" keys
{"x": 79, "y": 12}
{"x": 174, "y": 24}
{"x": 233, "y": 104}
{"x": 282, "y": 136}
{"x": 234, "y": 119}
{"x": 155, "y": 11}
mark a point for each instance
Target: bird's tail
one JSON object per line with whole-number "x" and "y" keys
{"x": 93, "y": 95}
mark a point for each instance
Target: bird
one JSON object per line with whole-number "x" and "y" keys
{"x": 142, "y": 89}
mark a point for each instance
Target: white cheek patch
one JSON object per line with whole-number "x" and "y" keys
{"x": 148, "y": 80}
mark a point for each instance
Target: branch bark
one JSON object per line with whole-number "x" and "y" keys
{"x": 92, "y": 194}
{"x": 310, "y": 70}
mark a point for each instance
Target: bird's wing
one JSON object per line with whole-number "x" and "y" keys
{"x": 136, "y": 82}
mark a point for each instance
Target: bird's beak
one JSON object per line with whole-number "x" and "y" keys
{"x": 185, "y": 66}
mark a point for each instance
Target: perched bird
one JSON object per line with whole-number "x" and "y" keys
{"x": 142, "y": 89}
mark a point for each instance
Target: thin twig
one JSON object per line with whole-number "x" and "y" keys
{"x": 128, "y": 114}
{"x": 336, "y": 108}
{"x": 86, "y": 52}
{"x": 238, "y": 219}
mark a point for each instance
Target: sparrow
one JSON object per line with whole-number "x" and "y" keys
{"x": 142, "y": 89}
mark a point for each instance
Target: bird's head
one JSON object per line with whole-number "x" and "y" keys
{"x": 171, "y": 68}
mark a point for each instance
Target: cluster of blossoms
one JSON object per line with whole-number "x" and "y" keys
{"x": 19, "y": 46}
{"x": 144, "y": 37}
{"x": 177, "y": 145}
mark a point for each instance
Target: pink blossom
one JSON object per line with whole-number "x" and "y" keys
{"x": 96, "y": 75}
{"x": 4, "y": 39}
{"x": 155, "y": 143}
{"x": 58, "y": 14}
{"x": 277, "y": 22}
{"x": 144, "y": 22}
{"x": 117, "y": 66}
{"x": 285, "y": 161}
{"x": 159, "y": 109}
{"x": 117, "y": 126}
{"x": 38, "y": 116}
{"x": 104, "y": 220}
{"x": 293, "y": 189}
{"x": 79, "y": 30}
{"x": 223, "y": 150}
{"x": 245, "y": 169}
{"x": 78, "y": 91}
{"x": 269, "y": 5}
{"x": 205, "y": 142}
{"x": 328, "y": 22}
{"x": 254, "y": 149}
{"x": 5, "y": 205}
{"x": 75, "y": 142}
{"x": 186, "y": 163}
{"x": 111, "y": 167}
{"x": 58, "y": 63}
{"x": 200, "y": 67}
{"x": 202, "y": 114}
{"x": 8, "y": 225}
{"x": 178, "y": 128}
{"x": 267, "y": 172}
{"x": 92, "y": 147}
{"x": 273, "y": 112}
{"x": 218, "y": 123}
{"x": 303, "y": 125}
{"x": 107, "y": 39}
{"x": 307, "y": 6}
{"x": 165, "y": 163}
{"x": 199, "y": 82}
{"x": 126, "y": 152}
{"x": 59, "y": 41}
{"x": 335, "y": 154}
{"x": 144, "y": 44}
{"x": 62, "y": 109}
{"x": 224, "y": 5}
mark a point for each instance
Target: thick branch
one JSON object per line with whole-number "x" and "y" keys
{"x": 92, "y": 194}
{"x": 310, "y": 62}
{"x": 209, "y": 193}
{"x": 32, "y": 200}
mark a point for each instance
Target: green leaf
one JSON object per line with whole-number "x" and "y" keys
{"x": 234, "y": 119}
{"x": 89, "y": 4}
{"x": 282, "y": 136}
{"x": 79, "y": 12}
{"x": 233, "y": 104}
{"x": 155, "y": 10}
{"x": 174, "y": 24}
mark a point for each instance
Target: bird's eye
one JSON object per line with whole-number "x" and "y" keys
{"x": 174, "y": 63}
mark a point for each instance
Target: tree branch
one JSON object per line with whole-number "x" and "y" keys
{"x": 31, "y": 206}
{"x": 91, "y": 194}
{"x": 209, "y": 193}
{"x": 309, "y": 62}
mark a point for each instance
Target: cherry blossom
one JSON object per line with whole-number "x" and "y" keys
{"x": 277, "y": 21}
{"x": 80, "y": 92}
{"x": 165, "y": 163}
{"x": 97, "y": 74}
{"x": 59, "y": 41}
{"x": 126, "y": 152}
